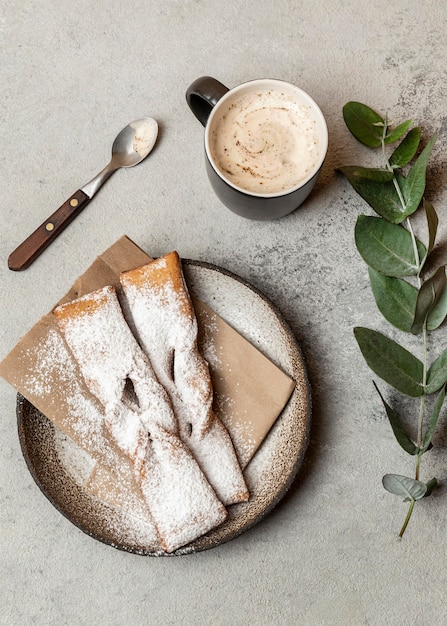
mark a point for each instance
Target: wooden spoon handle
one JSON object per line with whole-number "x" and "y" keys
{"x": 35, "y": 244}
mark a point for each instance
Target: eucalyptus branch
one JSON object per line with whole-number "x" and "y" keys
{"x": 394, "y": 256}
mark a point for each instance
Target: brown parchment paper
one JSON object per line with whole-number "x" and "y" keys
{"x": 248, "y": 399}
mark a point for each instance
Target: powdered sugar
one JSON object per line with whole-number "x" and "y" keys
{"x": 53, "y": 380}
{"x": 50, "y": 363}
{"x": 75, "y": 459}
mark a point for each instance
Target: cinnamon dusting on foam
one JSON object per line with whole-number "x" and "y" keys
{"x": 266, "y": 142}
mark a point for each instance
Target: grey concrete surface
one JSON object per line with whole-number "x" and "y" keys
{"x": 71, "y": 75}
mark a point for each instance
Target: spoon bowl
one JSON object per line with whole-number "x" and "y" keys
{"x": 134, "y": 142}
{"x": 131, "y": 146}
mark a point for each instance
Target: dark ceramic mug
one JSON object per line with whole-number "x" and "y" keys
{"x": 211, "y": 102}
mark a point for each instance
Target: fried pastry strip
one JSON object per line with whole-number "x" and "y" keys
{"x": 166, "y": 327}
{"x": 139, "y": 418}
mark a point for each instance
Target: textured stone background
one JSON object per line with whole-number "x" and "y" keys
{"x": 71, "y": 75}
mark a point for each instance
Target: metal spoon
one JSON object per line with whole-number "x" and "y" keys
{"x": 130, "y": 147}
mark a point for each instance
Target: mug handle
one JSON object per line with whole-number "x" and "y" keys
{"x": 202, "y": 95}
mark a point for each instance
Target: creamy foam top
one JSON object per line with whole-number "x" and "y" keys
{"x": 266, "y": 142}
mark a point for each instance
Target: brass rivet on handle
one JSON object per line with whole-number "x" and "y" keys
{"x": 49, "y": 226}
{"x": 74, "y": 202}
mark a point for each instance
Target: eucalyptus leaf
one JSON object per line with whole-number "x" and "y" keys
{"x": 397, "y": 199}
{"x": 432, "y": 224}
{"x": 395, "y": 298}
{"x": 428, "y": 296}
{"x": 391, "y": 362}
{"x": 439, "y": 312}
{"x": 409, "y": 488}
{"x": 406, "y": 150}
{"x": 431, "y": 486}
{"x": 398, "y": 428}
{"x": 376, "y": 174}
{"x": 381, "y": 196}
{"x": 413, "y": 186}
{"x": 387, "y": 248}
{"x": 437, "y": 374}
{"x": 394, "y": 134}
{"x": 433, "y": 421}
{"x": 364, "y": 123}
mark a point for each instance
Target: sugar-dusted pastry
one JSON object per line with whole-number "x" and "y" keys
{"x": 139, "y": 418}
{"x": 166, "y": 327}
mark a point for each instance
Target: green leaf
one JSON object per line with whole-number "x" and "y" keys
{"x": 431, "y": 486}
{"x": 432, "y": 224}
{"x": 405, "y": 152}
{"x": 413, "y": 186}
{"x": 381, "y": 196}
{"x": 387, "y": 248}
{"x": 376, "y": 174}
{"x": 394, "y": 134}
{"x": 395, "y": 298}
{"x": 437, "y": 374}
{"x": 393, "y": 363}
{"x": 433, "y": 421}
{"x": 439, "y": 312}
{"x": 365, "y": 124}
{"x": 397, "y": 199}
{"x": 409, "y": 488}
{"x": 397, "y": 426}
{"x": 429, "y": 294}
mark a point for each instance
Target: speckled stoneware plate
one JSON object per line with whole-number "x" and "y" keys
{"x": 268, "y": 475}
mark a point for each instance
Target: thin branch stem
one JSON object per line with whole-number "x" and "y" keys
{"x": 390, "y": 169}
{"x": 418, "y": 467}
{"x": 407, "y": 519}
{"x": 423, "y": 397}
{"x": 418, "y": 264}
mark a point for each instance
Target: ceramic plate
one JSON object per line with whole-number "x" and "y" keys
{"x": 270, "y": 473}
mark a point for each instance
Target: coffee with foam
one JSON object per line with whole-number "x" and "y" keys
{"x": 266, "y": 142}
